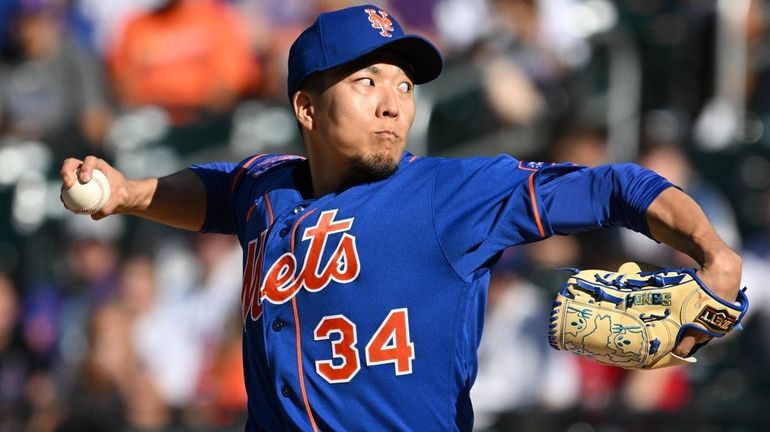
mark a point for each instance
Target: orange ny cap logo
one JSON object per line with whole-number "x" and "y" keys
{"x": 380, "y": 21}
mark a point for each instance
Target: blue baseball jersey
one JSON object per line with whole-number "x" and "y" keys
{"x": 363, "y": 309}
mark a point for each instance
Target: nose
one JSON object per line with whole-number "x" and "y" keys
{"x": 388, "y": 103}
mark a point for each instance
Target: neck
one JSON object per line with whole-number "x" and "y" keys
{"x": 338, "y": 175}
{"x": 326, "y": 175}
{"x": 331, "y": 172}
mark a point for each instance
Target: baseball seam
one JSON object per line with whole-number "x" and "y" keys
{"x": 99, "y": 203}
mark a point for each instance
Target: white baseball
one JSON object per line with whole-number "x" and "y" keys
{"x": 87, "y": 198}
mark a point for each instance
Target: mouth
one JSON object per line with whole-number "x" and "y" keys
{"x": 387, "y": 134}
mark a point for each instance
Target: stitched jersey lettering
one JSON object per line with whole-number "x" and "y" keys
{"x": 284, "y": 279}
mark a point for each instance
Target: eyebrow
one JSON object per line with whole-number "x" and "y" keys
{"x": 376, "y": 70}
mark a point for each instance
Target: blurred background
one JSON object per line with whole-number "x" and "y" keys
{"x": 124, "y": 325}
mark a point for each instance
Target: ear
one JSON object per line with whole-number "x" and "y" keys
{"x": 304, "y": 109}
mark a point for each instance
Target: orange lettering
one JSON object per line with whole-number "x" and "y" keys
{"x": 247, "y": 291}
{"x": 282, "y": 281}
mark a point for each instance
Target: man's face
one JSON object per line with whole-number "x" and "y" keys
{"x": 363, "y": 116}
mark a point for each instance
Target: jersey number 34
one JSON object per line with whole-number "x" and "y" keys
{"x": 389, "y": 344}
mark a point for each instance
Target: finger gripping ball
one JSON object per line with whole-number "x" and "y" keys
{"x": 87, "y": 198}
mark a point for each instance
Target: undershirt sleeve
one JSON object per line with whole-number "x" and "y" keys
{"x": 217, "y": 178}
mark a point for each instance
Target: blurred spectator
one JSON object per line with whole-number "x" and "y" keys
{"x": 205, "y": 286}
{"x": 756, "y": 263}
{"x": 416, "y": 16}
{"x": 94, "y": 260}
{"x": 56, "y": 309}
{"x": 44, "y": 399}
{"x": 15, "y": 359}
{"x": 507, "y": 91}
{"x": 28, "y": 393}
{"x": 7, "y": 11}
{"x": 758, "y": 243}
{"x": 520, "y": 62}
{"x": 581, "y": 146}
{"x": 97, "y": 403}
{"x": 100, "y": 20}
{"x": 517, "y": 368}
{"x": 273, "y": 26}
{"x": 659, "y": 390}
{"x": 89, "y": 281}
{"x": 112, "y": 391}
{"x": 41, "y": 323}
{"x": 755, "y": 270}
{"x": 460, "y": 24}
{"x": 191, "y": 57}
{"x": 607, "y": 387}
{"x": 223, "y": 389}
{"x": 758, "y": 79}
{"x": 54, "y": 91}
{"x": 670, "y": 162}
{"x": 731, "y": 72}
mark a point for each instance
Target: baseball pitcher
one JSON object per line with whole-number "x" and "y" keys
{"x": 365, "y": 268}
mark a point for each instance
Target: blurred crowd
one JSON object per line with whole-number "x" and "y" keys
{"x": 123, "y": 325}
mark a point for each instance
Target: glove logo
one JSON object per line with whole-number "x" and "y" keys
{"x": 380, "y": 21}
{"x": 648, "y": 299}
{"x": 717, "y": 320}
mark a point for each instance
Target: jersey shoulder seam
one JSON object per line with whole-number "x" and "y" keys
{"x": 257, "y": 166}
{"x": 433, "y": 221}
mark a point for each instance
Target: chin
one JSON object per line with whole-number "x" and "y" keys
{"x": 373, "y": 167}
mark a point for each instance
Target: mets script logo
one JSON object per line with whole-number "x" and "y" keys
{"x": 380, "y": 21}
{"x": 284, "y": 279}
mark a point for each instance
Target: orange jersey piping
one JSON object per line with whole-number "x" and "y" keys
{"x": 535, "y": 209}
{"x": 300, "y": 368}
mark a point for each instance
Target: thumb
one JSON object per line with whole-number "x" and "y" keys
{"x": 689, "y": 341}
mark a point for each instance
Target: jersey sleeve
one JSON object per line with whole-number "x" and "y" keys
{"x": 229, "y": 188}
{"x": 585, "y": 199}
{"x": 482, "y": 206}
{"x": 218, "y": 178}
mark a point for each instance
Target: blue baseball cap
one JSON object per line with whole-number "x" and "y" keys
{"x": 342, "y": 36}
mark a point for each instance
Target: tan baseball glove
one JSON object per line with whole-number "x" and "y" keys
{"x": 634, "y": 318}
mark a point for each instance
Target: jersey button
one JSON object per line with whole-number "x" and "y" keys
{"x": 283, "y": 232}
{"x": 286, "y": 390}
{"x": 278, "y": 325}
{"x": 298, "y": 209}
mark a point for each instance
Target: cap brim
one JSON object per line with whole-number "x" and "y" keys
{"x": 421, "y": 55}
{"x": 424, "y": 58}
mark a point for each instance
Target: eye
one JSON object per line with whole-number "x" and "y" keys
{"x": 406, "y": 87}
{"x": 368, "y": 82}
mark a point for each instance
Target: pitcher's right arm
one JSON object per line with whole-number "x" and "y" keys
{"x": 177, "y": 200}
